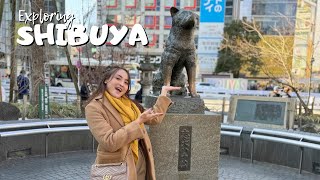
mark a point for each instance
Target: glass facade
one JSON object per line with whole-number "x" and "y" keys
{"x": 229, "y": 11}
{"x": 273, "y": 15}
{"x": 155, "y": 16}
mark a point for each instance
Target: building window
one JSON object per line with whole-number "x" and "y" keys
{"x": 151, "y": 22}
{"x": 153, "y": 41}
{"x": 229, "y": 7}
{"x": 190, "y": 4}
{"x": 113, "y": 20}
{"x": 131, "y": 4}
{"x": 111, "y": 3}
{"x": 130, "y": 20}
{"x": 170, "y": 3}
{"x": 266, "y": 8}
{"x": 151, "y": 4}
{"x": 167, "y": 22}
{"x": 228, "y": 11}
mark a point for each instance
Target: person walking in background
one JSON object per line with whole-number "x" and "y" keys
{"x": 275, "y": 92}
{"x": 84, "y": 91}
{"x": 138, "y": 96}
{"x": 23, "y": 84}
{"x": 118, "y": 125}
{"x": 286, "y": 92}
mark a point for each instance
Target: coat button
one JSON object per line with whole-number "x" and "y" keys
{"x": 149, "y": 149}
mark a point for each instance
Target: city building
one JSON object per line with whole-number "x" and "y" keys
{"x": 154, "y": 15}
{"x": 22, "y": 53}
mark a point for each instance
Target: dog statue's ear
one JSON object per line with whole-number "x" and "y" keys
{"x": 173, "y": 11}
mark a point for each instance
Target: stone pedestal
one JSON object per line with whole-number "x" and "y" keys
{"x": 186, "y": 147}
{"x": 181, "y": 104}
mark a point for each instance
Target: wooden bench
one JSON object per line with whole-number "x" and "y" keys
{"x": 235, "y": 131}
{"x": 43, "y": 127}
{"x": 300, "y": 140}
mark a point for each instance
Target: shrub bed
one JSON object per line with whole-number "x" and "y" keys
{"x": 56, "y": 111}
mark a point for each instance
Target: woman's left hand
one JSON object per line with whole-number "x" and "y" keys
{"x": 147, "y": 116}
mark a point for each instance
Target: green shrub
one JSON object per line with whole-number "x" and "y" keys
{"x": 56, "y": 111}
{"x": 31, "y": 111}
{"x": 305, "y": 119}
{"x": 64, "y": 111}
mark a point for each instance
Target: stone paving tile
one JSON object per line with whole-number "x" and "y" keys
{"x": 234, "y": 168}
{"x": 76, "y": 165}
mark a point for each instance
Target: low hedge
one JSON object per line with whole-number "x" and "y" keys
{"x": 305, "y": 119}
{"x": 56, "y": 111}
{"x": 309, "y": 123}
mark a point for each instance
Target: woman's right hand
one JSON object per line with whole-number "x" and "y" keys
{"x": 147, "y": 116}
{"x": 166, "y": 89}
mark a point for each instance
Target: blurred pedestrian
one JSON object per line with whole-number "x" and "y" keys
{"x": 23, "y": 84}
{"x": 138, "y": 96}
{"x": 84, "y": 91}
{"x": 275, "y": 92}
{"x": 286, "y": 92}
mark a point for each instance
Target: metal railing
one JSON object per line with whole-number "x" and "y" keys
{"x": 44, "y": 127}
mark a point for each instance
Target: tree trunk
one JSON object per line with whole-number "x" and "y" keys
{"x": 1, "y": 10}
{"x": 307, "y": 111}
{"x": 13, "y": 64}
{"x": 37, "y": 55}
{"x": 72, "y": 72}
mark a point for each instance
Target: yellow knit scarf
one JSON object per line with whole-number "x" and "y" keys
{"x": 129, "y": 112}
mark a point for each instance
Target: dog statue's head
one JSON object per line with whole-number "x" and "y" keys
{"x": 184, "y": 19}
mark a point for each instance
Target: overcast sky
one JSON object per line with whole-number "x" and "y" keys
{"x": 79, "y": 8}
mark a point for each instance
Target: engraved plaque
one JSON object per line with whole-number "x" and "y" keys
{"x": 260, "y": 111}
{"x": 184, "y": 161}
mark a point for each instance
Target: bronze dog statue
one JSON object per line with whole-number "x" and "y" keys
{"x": 179, "y": 53}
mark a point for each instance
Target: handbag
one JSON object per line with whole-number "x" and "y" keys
{"x": 110, "y": 171}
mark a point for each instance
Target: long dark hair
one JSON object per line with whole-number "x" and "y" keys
{"x": 109, "y": 72}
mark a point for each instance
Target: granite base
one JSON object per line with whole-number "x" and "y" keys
{"x": 181, "y": 104}
{"x": 186, "y": 147}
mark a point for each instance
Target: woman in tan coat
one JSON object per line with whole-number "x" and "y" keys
{"x": 118, "y": 125}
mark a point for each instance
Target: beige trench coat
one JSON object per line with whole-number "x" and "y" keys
{"x": 114, "y": 137}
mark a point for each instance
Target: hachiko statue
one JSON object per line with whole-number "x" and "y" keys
{"x": 179, "y": 52}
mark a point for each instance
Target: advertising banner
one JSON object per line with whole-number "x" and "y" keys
{"x": 211, "y": 26}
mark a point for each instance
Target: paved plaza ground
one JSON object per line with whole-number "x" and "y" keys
{"x": 76, "y": 165}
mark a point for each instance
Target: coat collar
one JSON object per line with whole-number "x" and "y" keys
{"x": 108, "y": 106}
